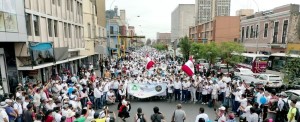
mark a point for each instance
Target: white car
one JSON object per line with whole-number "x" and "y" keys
{"x": 293, "y": 95}
{"x": 243, "y": 71}
{"x": 270, "y": 80}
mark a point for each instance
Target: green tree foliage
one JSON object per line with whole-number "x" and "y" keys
{"x": 160, "y": 47}
{"x": 292, "y": 71}
{"x": 227, "y": 48}
{"x": 185, "y": 47}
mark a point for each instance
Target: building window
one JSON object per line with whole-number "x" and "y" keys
{"x": 53, "y": 2}
{"x": 89, "y": 30}
{"x": 55, "y": 28}
{"x": 50, "y": 32}
{"x": 71, "y": 5}
{"x": 251, "y": 32}
{"x": 111, "y": 29}
{"x": 266, "y": 30}
{"x": 94, "y": 32}
{"x": 243, "y": 31}
{"x": 58, "y": 2}
{"x": 28, "y": 24}
{"x": 78, "y": 8}
{"x": 66, "y": 30}
{"x": 36, "y": 25}
{"x": 275, "y": 35}
{"x": 256, "y": 32}
{"x": 284, "y": 31}
{"x": 68, "y": 4}
{"x": 70, "y": 32}
{"x": 247, "y": 32}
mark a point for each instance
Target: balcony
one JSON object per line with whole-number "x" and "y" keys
{"x": 277, "y": 45}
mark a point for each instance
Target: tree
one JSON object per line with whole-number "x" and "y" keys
{"x": 292, "y": 71}
{"x": 160, "y": 47}
{"x": 148, "y": 42}
{"x": 226, "y": 54}
{"x": 185, "y": 46}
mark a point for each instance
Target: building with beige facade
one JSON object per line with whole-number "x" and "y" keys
{"x": 244, "y": 12}
{"x": 163, "y": 38}
{"x": 274, "y": 30}
{"x": 216, "y": 30}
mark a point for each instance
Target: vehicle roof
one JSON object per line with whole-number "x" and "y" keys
{"x": 253, "y": 54}
{"x": 269, "y": 74}
{"x": 294, "y": 91}
{"x": 243, "y": 69}
{"x": 284, "y": 55}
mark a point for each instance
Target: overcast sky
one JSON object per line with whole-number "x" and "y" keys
{"x": 155, "y": 15}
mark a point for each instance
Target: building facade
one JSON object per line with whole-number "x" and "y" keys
{"x": 206, "y": 10}
{"x": 216, "y": 30}
{"x": 244, "y": 12}
{"x": 182, "y": 18}
{"x": 272, "y": 30}
{"x": 163, "y": 38}
{"x": 13, "y": 37}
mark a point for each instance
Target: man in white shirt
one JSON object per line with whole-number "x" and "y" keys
{"x": 3, "y": 114}
{"x": 185, "y": 86}
{"x": 177, "y": 88}
{"x": 246, "y": 111}
{"x": 84, "y": 80}
{"x": 18, "y": 107}
{"x": 202, "y": 115}
{"x": 222, "y": 86}
{"x": 98, "y": 95}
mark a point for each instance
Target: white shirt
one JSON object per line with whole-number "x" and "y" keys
{"x": 222, "y": 86}
{"x": 215, "y": 89}
{"x": 202, "y": 115}
{"x": 25, "y": 105}
{"x": 177, "y": 85}
{"x": 50, "y": 106}
{"x": 97, "y": 93}
{"x": 247, "y": 113}
{"x": 186, "y": 85}
{"x": 222, "y": 119}
{"x": 83, "y": 81}
{"x": 57, "y": 116}
{"x": 116, "y": 85}
{"x": 170, "y": 89}
{"x": 243, "y": 102}
{"x": 18, "y": 107}
{"x": 109, "y": 94}
{"x": 258, "y": 96}
{"x": 237, "y": 95}
{"x": 106, "y": 87}
{"x": 205, "y": 90}
{"x": 3, "y": 115}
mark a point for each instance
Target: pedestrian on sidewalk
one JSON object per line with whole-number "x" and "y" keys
{"x": 179, "y": 114}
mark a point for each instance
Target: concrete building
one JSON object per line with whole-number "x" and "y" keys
{"x": 206, "y": 10}
{"x": 164, "y": 38}
{"x": 244, "y": 12}
{"x": 131, "y": 33}
{"x": 182, "y": 18}
{"x": 100, "y": 11}
{"x": 116, "y": 27}
{"x": 216, "y": 30}
{"x": 54, "y": 39}
{"x": 13, "y": 37}
{"x": 272, "y": 30}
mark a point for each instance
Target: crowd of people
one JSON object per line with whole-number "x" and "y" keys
{"x": 78, "y": 97}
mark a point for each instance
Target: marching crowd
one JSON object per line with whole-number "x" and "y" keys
{"x": 78, "y": 97}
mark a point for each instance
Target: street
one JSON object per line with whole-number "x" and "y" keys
{"x": 192, "y": 110}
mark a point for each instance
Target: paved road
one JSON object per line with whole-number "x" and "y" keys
{"x": 192, "y": 110}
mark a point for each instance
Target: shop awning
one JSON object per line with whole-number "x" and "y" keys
{"x": 50, "y": 64}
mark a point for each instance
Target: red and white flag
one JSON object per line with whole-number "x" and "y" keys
{"x": 150, "y": 62}
{"x": 188, "y": 67}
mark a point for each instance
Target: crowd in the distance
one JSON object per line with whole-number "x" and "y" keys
{"x": 79, "y": 97}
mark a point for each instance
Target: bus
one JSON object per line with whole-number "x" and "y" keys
{"x": 256, "y": 62}
{"x": 277, "y": 61}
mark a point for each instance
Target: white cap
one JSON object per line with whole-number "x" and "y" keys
{"x": 8, "y": 101}
{"x": 222, "y": 108}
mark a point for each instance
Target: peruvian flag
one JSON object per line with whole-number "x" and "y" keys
{"x": 188, "y": 67}
{"x": 150, "y": 63}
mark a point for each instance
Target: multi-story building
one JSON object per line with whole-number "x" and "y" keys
{"x": 244, "y": 12}
{"x": 55, "y": 39}
{"x": 13, "y": 41}
{"x": 216, "y": 30}
{"x": 164, "y": 38}
{"x": 206, "y": 10}
{"x": 116, "y": 29}
{"x": 273, "y": 30}
{"x": 182, "y": 18}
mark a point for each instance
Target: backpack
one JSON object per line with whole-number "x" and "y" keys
{"x": 297, "y": 114}
{"x": 285, "y": 109}
{"x": 141, "y": 118}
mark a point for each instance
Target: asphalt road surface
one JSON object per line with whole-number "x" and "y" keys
{"x": 192, "y": 110}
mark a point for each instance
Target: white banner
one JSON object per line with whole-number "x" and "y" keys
{"x": 146, "y": 90}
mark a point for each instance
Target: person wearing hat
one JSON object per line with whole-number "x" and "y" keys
{"x": 50, "y": 104}
{"x": 12, "y": 115}
{"x": 3, "y": 114}
{"x": 221, "y": 114}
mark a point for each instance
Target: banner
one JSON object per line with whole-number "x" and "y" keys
{"x": 146, "y": 90}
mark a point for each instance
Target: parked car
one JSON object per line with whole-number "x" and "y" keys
{"x": 271, "y": 80}
{"x": 293, "y": 95}
{"x": 222, "y": 68}
{"x": 243, "y": 71}
{"x": 247, "y": 79}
